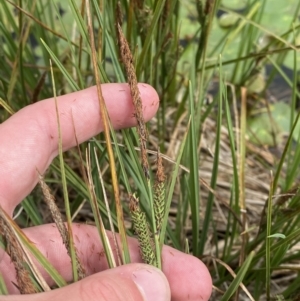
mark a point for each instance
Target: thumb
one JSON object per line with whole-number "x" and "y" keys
{"x": 132, "y": 282}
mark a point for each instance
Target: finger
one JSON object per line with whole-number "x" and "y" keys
{"x": 29, "y": 139}
{"x": 134, "y": 282}
{"x": 188, "y": 277}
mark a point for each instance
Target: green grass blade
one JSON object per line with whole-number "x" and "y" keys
{"x": 63, "y": 70}
{"x": 110, "y": 45}
{"x": 238, "y": 279}
{"x": 194, "y": 174}
{"x": 71, "y": 247}
{"x": 41, "y": 259}
{"x": 149, "y": 38}
{"x": 79, "y": 20}
{"x": 210, "y": 200}
{"x": 268, "y": 241}
{"x": 3, "y": 288}
{"x": 263, "y": 29}
{"x": 32, "y": 211}
{"x": 71, "y": 47}
{"x": 171, "y": 187}
{"x": 96, "y": 212}
{"x": 285, "y": 152}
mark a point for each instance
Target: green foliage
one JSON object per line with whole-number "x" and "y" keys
{"x": 186, "y": 49}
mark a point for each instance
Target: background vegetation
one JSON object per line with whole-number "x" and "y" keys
{"x": 227, "y": 76}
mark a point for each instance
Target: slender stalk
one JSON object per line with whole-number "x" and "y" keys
{"x": 268, "y": 240}
{"x": 105, "y": 121}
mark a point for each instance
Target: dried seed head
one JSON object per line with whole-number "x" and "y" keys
{"x": 160, "y": 174}
{"x": 58, "y": 220}
{"x": 127, "y": 61}
{"x": 15, "y": 251}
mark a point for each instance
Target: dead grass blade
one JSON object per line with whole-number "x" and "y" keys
{"x": 6, "y": 106}
{"x": 105, "y": 121}
{"x": 112, "y": 229}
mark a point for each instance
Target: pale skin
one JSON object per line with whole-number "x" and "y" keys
{"x": 29, "y": 142}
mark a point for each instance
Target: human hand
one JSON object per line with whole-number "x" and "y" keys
{"x": 29, "y": 142}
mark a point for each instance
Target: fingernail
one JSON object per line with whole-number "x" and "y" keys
{"x": 152, "y": 283}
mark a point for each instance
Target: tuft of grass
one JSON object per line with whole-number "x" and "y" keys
{"x": 216, "y": 87}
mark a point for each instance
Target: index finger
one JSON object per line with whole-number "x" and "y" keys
{"x": 29, "y": 139}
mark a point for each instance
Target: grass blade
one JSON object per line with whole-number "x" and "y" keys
{"x": 210, "y": 200}
{"x": 238, "y": 279}
{"x": 194, "y": 175}
{"x": 172, "y": 184}
{"x": 105, "y": 120}
{"x": 78, "y": 272}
